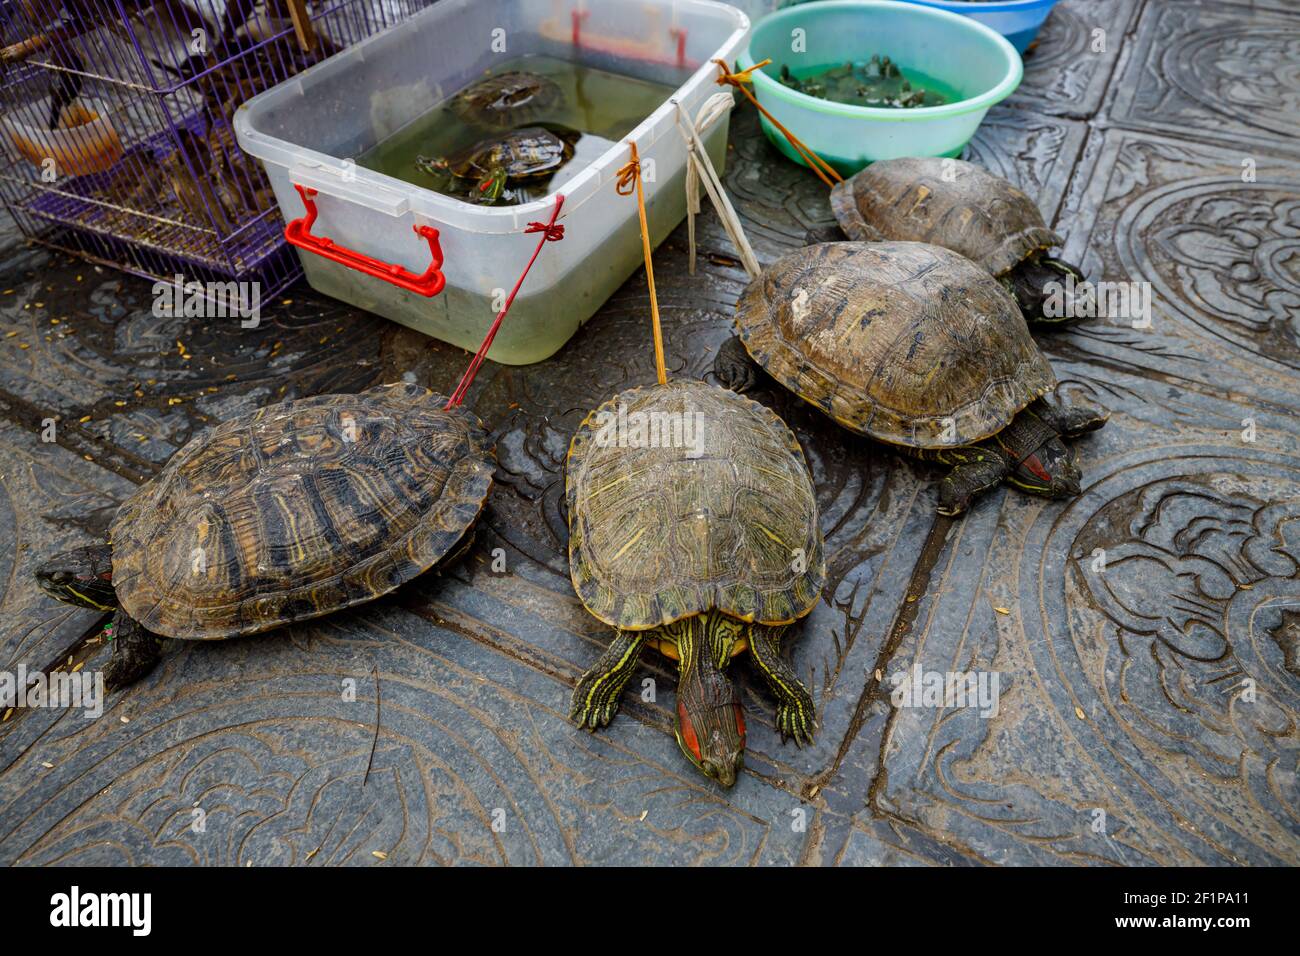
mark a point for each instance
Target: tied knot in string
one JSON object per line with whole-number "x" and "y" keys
{"x": 742, "y": 76}
{"x": 825, "y": 172}
{"x": 554, "y": 231}
{"x": 628, "y": 175}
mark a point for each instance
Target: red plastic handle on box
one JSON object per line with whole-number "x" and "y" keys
{"x": 298, "y": 233}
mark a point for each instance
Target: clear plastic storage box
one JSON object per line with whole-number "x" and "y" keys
{"x": 308, "y": 131}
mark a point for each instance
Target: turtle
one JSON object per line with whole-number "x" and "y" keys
{"x": 915, "y": 346}
{"x": 482, "y": 171}
{"x": 877, "y": 82}
{"x": 958, "y": 205}
{"x": 506, "y": 100}
{"x": 290, "y": 512}
{"x": 693, "y": 529}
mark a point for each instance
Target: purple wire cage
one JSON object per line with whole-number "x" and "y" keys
{"x": 116, "y": 125}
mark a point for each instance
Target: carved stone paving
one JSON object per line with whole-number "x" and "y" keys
{"x": 1214, "y": 61}
{"x": 50, "y": 499}
{"x": 1219, "y": 242}
{"x": 1068, "y": 71}
{"x": 1144, "y": 638}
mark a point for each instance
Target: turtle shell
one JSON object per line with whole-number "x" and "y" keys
{"x": 533, "y": 151}
{"x": 687, "y": 497}
{"x": 945, "y": 202}
{"x": 299, "y": 509}
{"x": 905, "y": 342}
{"x": 507, "y": 99}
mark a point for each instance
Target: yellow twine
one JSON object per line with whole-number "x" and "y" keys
{"x": 629, "y": 174}
{"x": 738, "y": 80}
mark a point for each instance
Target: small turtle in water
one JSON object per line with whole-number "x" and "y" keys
{"x": 916, "y": 346}
{"x": 482, "y": 171}
{"x": 506, "y": 100}
{"x": 296, "y": 510}
{"x": 877, "y": 82}
{"x": 957, "y": 205}
{"x": 702, "y": 543}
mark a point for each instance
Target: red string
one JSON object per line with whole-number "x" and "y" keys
{"x": 551, "y": 232}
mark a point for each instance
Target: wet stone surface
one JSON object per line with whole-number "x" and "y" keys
{"x": 1145, "y": 636}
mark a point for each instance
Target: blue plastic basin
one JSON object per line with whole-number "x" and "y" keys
{"x": 1017, "y": 20}
{"x": 956, "y": 51}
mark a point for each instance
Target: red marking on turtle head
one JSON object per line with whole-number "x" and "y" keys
{"x": 688, "y": 732}
{"x": 1036, "y": 468}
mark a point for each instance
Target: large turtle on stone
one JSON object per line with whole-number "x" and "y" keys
{"x": 297, "y": 510}
{"x": 916, "y": 346}
{"x": 693, "y": 529}
{"x": 957, "y": 205}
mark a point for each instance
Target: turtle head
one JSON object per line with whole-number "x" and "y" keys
{"x": 82, "y": 576}
{"x": 1049, "y": 471}
{"x": 1037, "y": 460}
{"x": 710, "y": 721}
{"x": 1050, "y": 291}
{"x": 438, "y": 168}
{"x": 491, "y": 185}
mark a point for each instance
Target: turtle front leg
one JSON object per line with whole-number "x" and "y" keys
{"x": 595, "y": 699}
{"x": 733, "y": 368}
{"x": 795, "y": 715}
{"x": 977, "y": 470}
{"x": 816, "y": 235}
{"x": 136, "y": 651}
{"x": 1070, "y": 421}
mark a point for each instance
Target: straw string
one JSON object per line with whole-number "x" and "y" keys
{"x": 825, "y": 172}
{"x": 629, "y": 178}
{"x": 699, "y": 170}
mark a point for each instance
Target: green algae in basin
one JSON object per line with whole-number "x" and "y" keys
{"x": 879, "y": 82}
{"x": 959, "y": 57}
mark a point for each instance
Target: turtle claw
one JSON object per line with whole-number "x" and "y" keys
{"x": 795, "y": 712}
{"x": 591, "y": 717}
{"x": 135, "y": 653}
{"x": 967, "y": 481}
{"x": 595, "y": 699}
{"x": 733, "y": 368}
{"x": 790, "y": 722}
{"x": 120, "y": 673}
